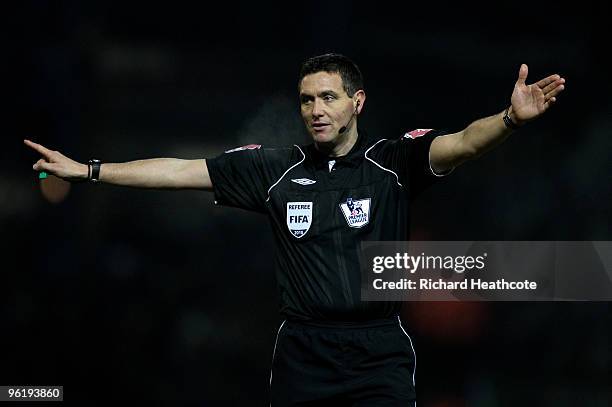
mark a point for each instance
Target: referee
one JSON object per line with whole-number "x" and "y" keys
{"x": 322, "y": 200}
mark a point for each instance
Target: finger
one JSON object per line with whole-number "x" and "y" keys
{"x": 38, "y": 165}
{"x": 40, "y": 149}
{"x": 555, "y": 92}
{"x": 553, "y": 85}
{"x": 549, "y": 79}
{"x": 522, "y": 75}
{"x": 549, "y": 103}
{"x": 42, "y": 165}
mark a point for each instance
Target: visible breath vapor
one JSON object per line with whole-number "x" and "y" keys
{"x": 276, "y": 123}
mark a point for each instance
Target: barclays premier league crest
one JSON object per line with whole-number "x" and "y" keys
{"x": 299, "y": 218}
{"x": 356, "y": 212}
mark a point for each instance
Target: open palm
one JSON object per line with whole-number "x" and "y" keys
{"x": 531, "y": 101}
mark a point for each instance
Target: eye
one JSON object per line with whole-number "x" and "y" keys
{"x": 328, "y": 98}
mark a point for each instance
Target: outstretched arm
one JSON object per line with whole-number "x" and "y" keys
{"x": 158, "y": 173}
{"x": 528, "y": 102}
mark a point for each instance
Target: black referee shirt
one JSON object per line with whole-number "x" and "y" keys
{"x": 320, "y": 211}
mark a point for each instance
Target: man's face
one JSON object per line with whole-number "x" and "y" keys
{"x": 325, "y": 106}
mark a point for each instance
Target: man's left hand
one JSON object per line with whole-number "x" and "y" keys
{"x": 531, "y": 101}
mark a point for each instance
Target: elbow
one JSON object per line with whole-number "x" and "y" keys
{"x": 467, "y": 150}
{"x": 466, "y": 153}
{"x": 471, "y": 153}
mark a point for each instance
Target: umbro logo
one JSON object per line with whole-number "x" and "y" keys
{"x": 303, "y": 181}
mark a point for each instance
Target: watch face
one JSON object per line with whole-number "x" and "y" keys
{"x": 94, "y": 164}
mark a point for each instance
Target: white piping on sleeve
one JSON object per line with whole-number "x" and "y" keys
{"x": 274, "y": 351}
{"x": 289, "y": 169}
{"x": 380, "y": 166}
{"x": 444, "y": 174}
{"x": 413, "y": 352}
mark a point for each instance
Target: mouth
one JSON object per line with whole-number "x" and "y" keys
{"x": 319, "y": 127}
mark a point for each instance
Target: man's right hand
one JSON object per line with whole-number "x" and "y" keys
{"x": 57, "y": 164}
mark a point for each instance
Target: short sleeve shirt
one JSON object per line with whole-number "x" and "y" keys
{"x": 321, "y": 209}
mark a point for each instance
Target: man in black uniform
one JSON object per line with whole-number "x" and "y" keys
{"x": 322, "y": 200}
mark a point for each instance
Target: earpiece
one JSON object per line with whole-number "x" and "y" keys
{"x": 355, "y": 113}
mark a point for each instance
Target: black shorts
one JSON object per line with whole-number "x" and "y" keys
{"x": 370, "y": 364}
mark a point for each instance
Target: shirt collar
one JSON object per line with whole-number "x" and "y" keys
{"x": 351, "y": 159}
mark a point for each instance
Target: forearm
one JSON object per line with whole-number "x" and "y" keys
{"x": 449, "y": 151}
{"x": 158, "y": 173}
{"x": 486, "y": 133}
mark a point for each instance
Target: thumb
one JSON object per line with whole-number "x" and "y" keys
{"x": 522, "y": 75}
{"x": 41, "y": 165}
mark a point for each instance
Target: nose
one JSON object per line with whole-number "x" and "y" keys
{"x": 317, "y": 108}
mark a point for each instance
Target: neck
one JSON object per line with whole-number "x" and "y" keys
{"x": 341, "y": 146}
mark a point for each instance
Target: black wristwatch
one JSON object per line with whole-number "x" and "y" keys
{"x": 508, "y": 121}
{"x": 94, "y": 170}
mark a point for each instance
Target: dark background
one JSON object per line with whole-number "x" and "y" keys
{"x": 117, "y": 293}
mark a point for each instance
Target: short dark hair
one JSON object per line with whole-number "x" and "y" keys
{"x": 352, "y": 80}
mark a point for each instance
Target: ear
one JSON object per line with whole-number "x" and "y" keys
{"x": 359, "y": 100}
